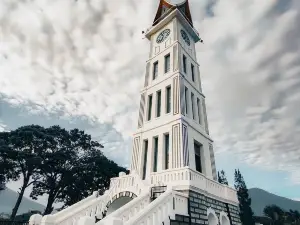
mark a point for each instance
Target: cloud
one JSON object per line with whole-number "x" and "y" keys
{"x": 87, "y": 58}
{"x": 252, "y": 81}
{"x": 2, "y": 126}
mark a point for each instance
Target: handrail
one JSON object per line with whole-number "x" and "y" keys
{"x": 164, "y": 199}
{"x": 162, "y": 209}
{"x": 127, "y": 208}
{"x": 82, "y": 205}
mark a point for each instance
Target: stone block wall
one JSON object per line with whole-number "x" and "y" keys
{"x": 199, "y": 203}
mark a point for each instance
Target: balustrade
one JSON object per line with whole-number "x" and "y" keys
{"x": 160, "y": 210}
{"x": 188, "y": 177}
{"x": 94, "y": 205}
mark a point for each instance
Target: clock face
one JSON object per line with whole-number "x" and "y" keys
{"x": 163, "y": 36}
{"x": 185, "y": 37}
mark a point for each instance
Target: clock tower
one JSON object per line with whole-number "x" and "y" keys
{"x": 172, "y": 125}
{"x": 172, "y": 179}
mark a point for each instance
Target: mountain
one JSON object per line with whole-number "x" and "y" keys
{"x": 8, "y": 199}
{"x": 261, "y": 198}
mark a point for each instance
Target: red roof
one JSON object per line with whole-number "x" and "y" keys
{"x": 165, "y": 8}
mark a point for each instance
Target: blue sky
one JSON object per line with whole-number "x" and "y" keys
{"x": 81, "y": 64}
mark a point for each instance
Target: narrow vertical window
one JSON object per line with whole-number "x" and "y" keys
{"x": 167, "y": 63}
{"x": 184, "y": 63}
{"x": 145, "y": 158}
{"x": 199, "y": 110}
{"x": 192, "y": 100}
{"x": 149, "y": 106}
{"x": 186, "y": 101}
{"x": 155, "y": 70}
{"x": 155, "y": 145}
{"x": 158, "y": 103}
{"x": 166, "y": 142}
{"x": 197, "y": 148}
{"x": 193, "y": 73}
{"x": 168, "y": 99}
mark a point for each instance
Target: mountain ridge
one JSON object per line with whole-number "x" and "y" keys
{"x": 260, "y": 198}
{"x": 8, "y": 199}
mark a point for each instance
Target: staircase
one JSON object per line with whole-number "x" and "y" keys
{"x": 156, "y": 202}
{"x": 154, "y": 205}
{"x": 143, "y": 211}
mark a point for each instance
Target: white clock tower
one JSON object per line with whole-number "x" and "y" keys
{"x": 172, "y": 126}
{"x": 172, "y": 180}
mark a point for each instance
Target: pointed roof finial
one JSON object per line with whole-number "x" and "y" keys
{"x": 166, "y": 6}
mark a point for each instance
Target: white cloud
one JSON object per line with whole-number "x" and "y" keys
{"x": 2, "y": 127}
{"x": 87, "y": 58}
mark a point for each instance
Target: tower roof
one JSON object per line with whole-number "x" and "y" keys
{"x": 167, "y": 6}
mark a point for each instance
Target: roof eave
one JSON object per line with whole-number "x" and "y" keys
{"x": 167, "y": 19}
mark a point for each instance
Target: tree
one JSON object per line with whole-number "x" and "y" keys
{"x": 2, "y": 169}
{"x": 95, "y": 174}
{"x": 275, "y": 213}
{"x": 20, "y": 150}
{"x": 280, "y": 217}
{"x": 72, "y": 168}
{"x": 222, "y": 177}
{"x": 246, "y": 212}
{"x": 2, "y": 182}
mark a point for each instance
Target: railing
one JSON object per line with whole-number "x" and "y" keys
{"x": 130, "y": 182}
{"x": 129, "y": 210}
{"x": 156, "y": 212}
{"x": 94, "y": 205}
{"x": 162, "y": 209}
{"x": 188, "y": 177}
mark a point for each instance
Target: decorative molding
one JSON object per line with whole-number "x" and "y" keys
{"x": 147, "y": 74}
{"x": 212, "y": 160}
{"x": 120, "y": 195}
{"x": 165, "y": 50}
{"x": 151, "y": 46}
{"x": 199, "y": 79}
{"x": 179, "y": 56}
{"x": 176, "y": 153}
{"x": 205, "y": 116}
{"x": 175, "y": 96}
{"x": 175, "y": 57}
{"x": 168, "y": 42}
{"x": 185, "y": 145}
{"x": 157, "y": 50}
{"x": 175, "y": 29}
{"x": 142, "y": 110}
{"x": 135, "y": 153}
{"x": 182, "y": 99}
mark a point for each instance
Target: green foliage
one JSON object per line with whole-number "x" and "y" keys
{"x": 280, "y": 217}
{"x": 246, "y": 212}
{"x": 19, "y": 153}
{"x": 2, "y": 182}
{"x": 222, "y": 177}
{"x": 94, "y": 174}
{"x": 72, "y": 168}
{"x": 2, "y": 176}
{"x": 66, "y": 165}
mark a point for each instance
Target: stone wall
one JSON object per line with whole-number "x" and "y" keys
{"x": 199, "y": 203}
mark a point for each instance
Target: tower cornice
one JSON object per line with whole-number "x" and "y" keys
{"x": 168, "y": 18}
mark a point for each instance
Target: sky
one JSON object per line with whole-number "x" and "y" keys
{"x": 81, "y": 64}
